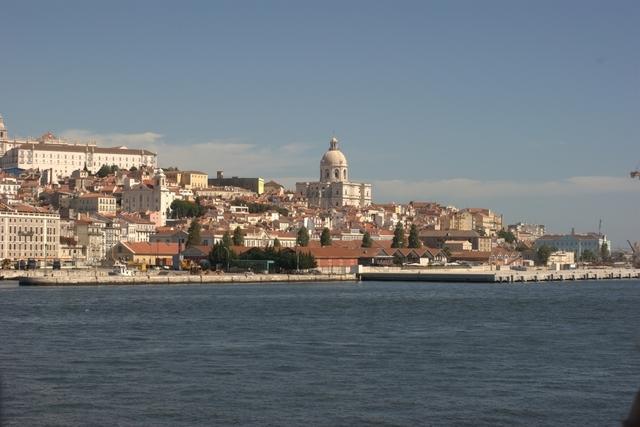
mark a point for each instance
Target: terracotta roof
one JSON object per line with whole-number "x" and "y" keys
{"x": 148, "y": 248}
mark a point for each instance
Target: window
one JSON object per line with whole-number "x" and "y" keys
{"x": 336, "y": 173}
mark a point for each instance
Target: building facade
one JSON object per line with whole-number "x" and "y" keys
{"x": 576, "y": 243}
{"x": 95, "y": 203}
{"x": 154, "y": 197}
{"x": 61, "y": 157}
{"x": 28, "y": 232}
{"x": 252, "y": 184}
{"x": 334, "y": 188}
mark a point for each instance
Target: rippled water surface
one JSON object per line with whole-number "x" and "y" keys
{"x": 320, "y": 354}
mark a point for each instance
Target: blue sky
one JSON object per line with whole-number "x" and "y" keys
{"x": 530, "y": 108}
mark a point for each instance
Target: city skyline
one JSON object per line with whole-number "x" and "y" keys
{"x": 527, "y": 109}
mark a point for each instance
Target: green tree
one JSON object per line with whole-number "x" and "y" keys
{"x": 508, "y": 236}
{"x": 398, "y": 236}
{"x": 325, "y": 237}
{"x": 186, "y": 209}
{"x": 103, "y": 171}
{"x": 587, "y": 256}
{"x": 194, "y": 234}
{"x": 367, "y": 242}
{"x": 133, "y": 169}
{"x": 543, "y": 253}
{"x": 276, "y": 243}
{"x": 226, "y": 239}
{"x": 414, "y": 240}
{"x": 114, "y": 169}
{"x": 221, "y": 255}
{"x": 238, "y": 237}
{"x": 605, "y": 255}
{"x": 303, "y": 236}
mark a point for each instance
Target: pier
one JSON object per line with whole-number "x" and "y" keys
{"x": 98, "y": 278}
{"x": 483, "y": 275}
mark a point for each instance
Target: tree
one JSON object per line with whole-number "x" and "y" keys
{"x": 133, "y": 169}
{"x": 226, "y": 239}
{"x": 543, "y": 253}
{"x": 114, "y": 169}
{"x": 103, "y": 171}
{"x": 587, "y": 256}
{"x": 398, "y": 236}
{"x": 221, "y": 255}
{"x": 238, "y": 237}
{"x": 325, "y": 237}
{"x": 186, "y": 209}
{"x": 303, "y": 236}
{"x": 276, "y": 243}
{"x": 194, "y": 234}
{"x": 367, "y": 242}
{"x": 604, "y": 252}
{"x": 508, "y": 236}
{"x": 414, "y": 240}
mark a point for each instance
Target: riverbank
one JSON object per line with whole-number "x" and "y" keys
{"x": 494, "y": 276}
{"x": 92, "y": 278}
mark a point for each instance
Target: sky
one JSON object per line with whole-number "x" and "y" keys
{"x": 530, "y": 108}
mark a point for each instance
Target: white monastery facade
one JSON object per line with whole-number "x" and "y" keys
{"x": 62, "y": 158}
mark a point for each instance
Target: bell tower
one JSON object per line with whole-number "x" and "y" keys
{"x": 3, "y": 130}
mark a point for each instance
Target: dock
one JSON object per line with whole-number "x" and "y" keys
{"x": 494, "y": 276}
{"x": 62, "y": 278}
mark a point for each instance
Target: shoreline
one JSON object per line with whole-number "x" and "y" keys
{"x": 498, "y": 276}
{"x": 176, "y": 279}
{"x": 102, "y": 278}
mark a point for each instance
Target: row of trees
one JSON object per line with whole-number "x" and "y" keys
{"x": 186, "y": 209}
{"x": 399, "y": 237}
{"x": 223, "y": 254}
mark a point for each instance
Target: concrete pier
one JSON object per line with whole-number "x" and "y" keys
{"x": 62, "y": 278}
{"x": 484, "y": 275}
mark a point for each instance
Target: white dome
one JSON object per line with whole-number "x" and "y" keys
{"x": 333, "y": 158}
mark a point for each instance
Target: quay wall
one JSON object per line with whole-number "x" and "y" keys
{"x": 174, "y": 279}
{"x": 484, "y": 275}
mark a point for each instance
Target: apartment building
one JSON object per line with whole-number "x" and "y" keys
{"x": 28, "y": 232}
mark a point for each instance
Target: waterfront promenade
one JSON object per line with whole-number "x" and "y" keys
{"x": 484, "y": 274}
{"x": 102, "y": 277}
{"x": 396, "y": 274}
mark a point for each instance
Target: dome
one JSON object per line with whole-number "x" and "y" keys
{"x": 333, "y": 158}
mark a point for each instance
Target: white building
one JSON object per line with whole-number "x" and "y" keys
{"x": 62, "y": 157}
{"x": 28, "y": 232}
{"x": 145, "y": 197}
{"x": 334, "y": 188}
{"x": 576, "y": 243}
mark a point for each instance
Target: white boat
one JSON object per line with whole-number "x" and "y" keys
{"x": 120, "y": 270}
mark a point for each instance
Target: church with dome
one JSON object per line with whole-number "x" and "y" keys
{"x": 334, "y": 188}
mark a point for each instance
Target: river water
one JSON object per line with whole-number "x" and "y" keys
{"x": 320, "y": 354}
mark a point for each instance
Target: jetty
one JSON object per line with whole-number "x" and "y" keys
{"x": 484, "y": 275}
{"x": 99, "y": 278}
